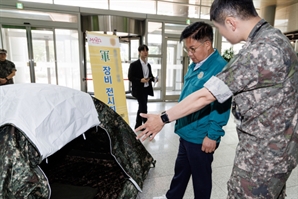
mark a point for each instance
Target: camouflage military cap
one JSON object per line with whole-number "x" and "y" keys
{"x": 3, "y": 51}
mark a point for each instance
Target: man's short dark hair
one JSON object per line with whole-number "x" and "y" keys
{"x": 143, "y": 48}
{"x": 3, "y": 51}
{"x": 199, "y": 31}
{"x": 221, "y": 9}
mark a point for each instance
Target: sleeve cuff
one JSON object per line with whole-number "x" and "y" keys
{"x": 218, "y": 89}
{"x": 215, "y": 138}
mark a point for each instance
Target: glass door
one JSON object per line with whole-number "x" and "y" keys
{"x": 32, "y": 51}
{"x": 49, "y": 56}
{"x": 15, "y": 42}
{"x": 43, "y": 56}
{"x": 129, "y": 53}
{"x": 176, "y": 62}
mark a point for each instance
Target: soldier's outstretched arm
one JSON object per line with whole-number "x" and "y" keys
{"x": 190, "y": 104}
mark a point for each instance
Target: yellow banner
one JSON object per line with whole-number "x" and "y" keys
{"x": 107, "y": 73}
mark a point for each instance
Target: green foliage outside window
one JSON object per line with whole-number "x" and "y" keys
{"x": 228, "y": 54}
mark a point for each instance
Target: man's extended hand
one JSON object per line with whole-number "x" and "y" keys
{"x": 152, "y": 127}
{"x": 208, "y": 145}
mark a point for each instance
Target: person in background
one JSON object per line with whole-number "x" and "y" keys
{"x": 141, "y": 78}
{"x": 263, "y": 80}
{"x": 200, "y": 132}
{"x": 7, "y": 69}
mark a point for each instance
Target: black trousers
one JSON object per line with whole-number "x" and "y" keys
{"x": 142, "y": 100}
{"x": 192, "y": 161}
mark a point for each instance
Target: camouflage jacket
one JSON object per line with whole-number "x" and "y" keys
{"x": 6, "y": 68}
{"x": 263, "y": 78}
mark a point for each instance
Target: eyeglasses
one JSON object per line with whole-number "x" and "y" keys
{"x": 191, "y": 49}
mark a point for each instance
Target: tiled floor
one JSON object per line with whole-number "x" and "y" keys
{"x": 164, "y": 149}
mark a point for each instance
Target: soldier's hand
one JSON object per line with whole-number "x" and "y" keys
{"x": 151, "y": 128}
{"x": 3, "y": 80}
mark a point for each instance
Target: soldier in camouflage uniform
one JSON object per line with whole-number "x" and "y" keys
{"x": 7, "y": 69}
{"x": 263, "y": 78}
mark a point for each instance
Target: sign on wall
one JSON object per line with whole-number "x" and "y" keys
{"x": 107, "y": 73}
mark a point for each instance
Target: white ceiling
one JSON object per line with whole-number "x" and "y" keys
{"x": 259, "y": 4}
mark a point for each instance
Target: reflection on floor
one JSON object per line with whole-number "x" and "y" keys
{"x": 164, "y": 149}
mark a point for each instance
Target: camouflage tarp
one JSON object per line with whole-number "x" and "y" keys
{"x": 20, "y": 175}
{"x": 129, "y": 152}
{"x": 110, "y": 160}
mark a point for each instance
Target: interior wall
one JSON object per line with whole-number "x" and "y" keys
{"x": 268, "y": 13}
{"x": 286, "y": 18}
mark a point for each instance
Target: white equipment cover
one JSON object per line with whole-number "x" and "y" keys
{"x": 51, "y": 116}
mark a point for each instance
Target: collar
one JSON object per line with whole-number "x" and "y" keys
{"x": 198, "y": 65}
{"x": 142, "y": 62}
{"x": 255, "y": 30}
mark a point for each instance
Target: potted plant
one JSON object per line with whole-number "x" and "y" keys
{"x": 228, "y": 54}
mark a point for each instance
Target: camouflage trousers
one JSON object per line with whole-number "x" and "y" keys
{"x": 245, "y": 185}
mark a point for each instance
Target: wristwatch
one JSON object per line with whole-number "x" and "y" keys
{"x": 6, "y": 78}
{"x": 164, "y": 117}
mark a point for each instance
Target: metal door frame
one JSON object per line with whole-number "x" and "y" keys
{"x": 31, "y": 63}
{"x": 185, "y": 62}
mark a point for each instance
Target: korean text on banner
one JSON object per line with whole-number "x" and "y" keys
{"x": 107, "y": 73}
